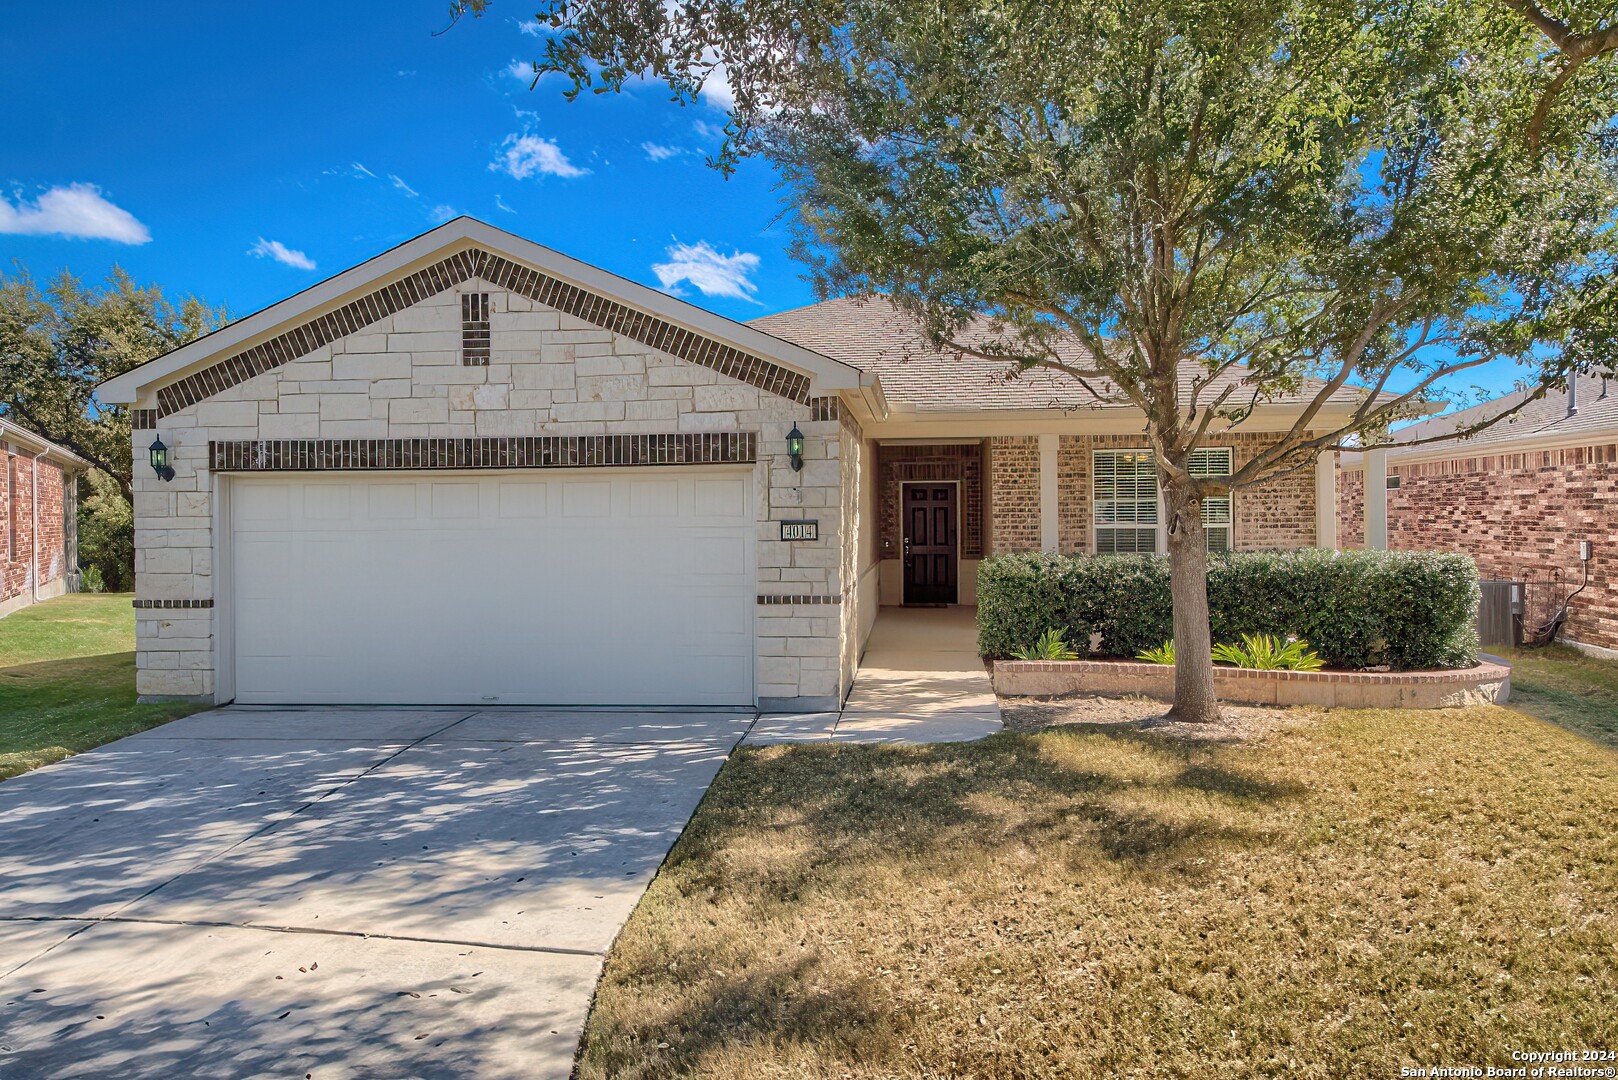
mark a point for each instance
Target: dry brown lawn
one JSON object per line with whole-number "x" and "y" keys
{"x": 1343, "y": 896}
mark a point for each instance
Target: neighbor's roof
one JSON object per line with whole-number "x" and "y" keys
{"x": 876, "y": 337}
{"x": 1544, "y": 421}
{"x": 21, "y": 436}
{"x": 463, "y": 233}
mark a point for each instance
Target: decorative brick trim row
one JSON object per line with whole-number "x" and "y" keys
{"x": 646, "y": 329}
{"x": 172, "y": 604}
{"x": 307, "y": 337}
{"x": 448, "y": 273}
{"x": 142, "y": 419}
{"x": 511, "y": 452}
{"x": 800, "y": 598}
{"x": 825, "y": 408}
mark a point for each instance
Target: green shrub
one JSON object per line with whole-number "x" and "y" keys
{"x": 91, "y": 581}
{"x": 1049, "y": 646}
{"x": 1357, "y": 609}
{"x": 1266, "y": 652}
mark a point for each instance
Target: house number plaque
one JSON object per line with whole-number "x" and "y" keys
{"x": 800, "y": 530}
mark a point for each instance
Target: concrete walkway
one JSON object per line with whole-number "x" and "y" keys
{"x": 920, "y": 681}
{"x": 336, "y": 892}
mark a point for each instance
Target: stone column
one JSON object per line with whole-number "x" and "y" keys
{"x": 1376, "y": 500}
{"x": 1326, "y": 500}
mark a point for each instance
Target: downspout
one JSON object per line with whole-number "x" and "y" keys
{"x": 33, "y": 536}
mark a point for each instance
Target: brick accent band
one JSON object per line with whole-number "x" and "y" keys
{"x": 514, "y": 452}
{"x": 175, "y": 604}
{"x": 801, "y": 598}
{"x": 825, "y": 408}
{"x": 447, "y": 274}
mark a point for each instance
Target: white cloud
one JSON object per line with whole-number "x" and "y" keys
{"x": 533, "y": 28}
{"x": 278, "y": 251}
{"x": 714, "y": 132}
{"x": 443, "y": 212}
{"x": 501, "y": 203}
{"x": 658, "y": 152}
{"x": 716, "y": 89}
{"x": 77, "y": 210}
{"x": 402, "y": 186}
{"x": 361, "y": 170}
{"x": 526, "y": 155}
{"x": 713, "y": 273}
{"x": 521, "y": 70}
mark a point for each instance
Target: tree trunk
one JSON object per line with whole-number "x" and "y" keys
{"x": 1188, "y": 576}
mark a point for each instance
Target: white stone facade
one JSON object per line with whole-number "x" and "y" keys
{"x": 549, "y": 374}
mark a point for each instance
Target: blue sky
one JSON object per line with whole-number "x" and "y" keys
{"x": 246, "y": 152}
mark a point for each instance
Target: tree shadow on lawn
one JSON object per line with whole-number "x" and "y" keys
{"x": 788, "y": 833}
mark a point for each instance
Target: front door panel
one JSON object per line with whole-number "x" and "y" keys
{"x": 930, "y": 543}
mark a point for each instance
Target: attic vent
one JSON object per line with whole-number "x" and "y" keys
{"x": 475, "y": 328}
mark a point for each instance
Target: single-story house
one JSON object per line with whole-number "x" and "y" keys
{"x": 474, "y": 470}
{"x": 1519, "y": 497}
{"x": 39, "y": 555}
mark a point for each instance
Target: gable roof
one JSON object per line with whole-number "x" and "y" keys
{"x": 457, "y": 251}
{"x": 878, "y": 338}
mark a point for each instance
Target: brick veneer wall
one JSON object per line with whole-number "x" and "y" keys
{"x": 898, "y": 464}
{"x": 1014, "y": 494}
{"x": 17, "y": 515}
{"x": 1276, "y": 515}
{"x": 1351, "y": 508}
{"x": 401, "y": 377}
{"x": 1518, "y": 514}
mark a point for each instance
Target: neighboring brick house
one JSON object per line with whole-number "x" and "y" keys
{"x": 474, "y": 470}
{"x": 38, "y": 515}
{"x": 1518, "y": 497}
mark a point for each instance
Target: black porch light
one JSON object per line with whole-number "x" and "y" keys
{"x": 795, "y": 448}
{"x": 160, "y": 460}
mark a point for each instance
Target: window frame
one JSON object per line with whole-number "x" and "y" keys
{"x": 1229, "y": 500}
{"x": 1096, "y": 525}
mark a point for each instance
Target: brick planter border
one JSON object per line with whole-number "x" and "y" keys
{"x": 1489, "y": 683}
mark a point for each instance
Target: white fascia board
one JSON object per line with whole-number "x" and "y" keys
{"x": 1527, "y": 443}
{"x": 36, "y": 444}
{"x": 464, "y": 232}
{"x": 1104, "y": 420}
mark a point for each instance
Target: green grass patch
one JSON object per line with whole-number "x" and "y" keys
{"x": 1567, "y": 687}
{"x": 67, "y": 680}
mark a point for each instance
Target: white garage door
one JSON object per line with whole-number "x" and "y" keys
{"x": 631, "y": 587}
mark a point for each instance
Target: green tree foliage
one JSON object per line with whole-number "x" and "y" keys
{"x": 1282, "y": 196}
{"x": 106, "y": 534}
{"x": 58, "y": 343}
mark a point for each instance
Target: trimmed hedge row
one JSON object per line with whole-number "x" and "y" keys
{"x": 1358, "y": 609}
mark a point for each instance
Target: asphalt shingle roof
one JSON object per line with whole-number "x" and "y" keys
{"x": 1546, "y": 418}
{"x": 874, "y": 336}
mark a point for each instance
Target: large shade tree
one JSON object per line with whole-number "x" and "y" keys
{"x": 58, "y": 342}
{"x": 1280, "y": 197}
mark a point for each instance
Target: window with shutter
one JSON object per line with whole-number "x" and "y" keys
{"x": 1125, "y": 501}
{"x": 1216, "y": 510}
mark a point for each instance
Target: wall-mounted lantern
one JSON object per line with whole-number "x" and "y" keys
{"x": 160, "y": 460}
{"x": 795, "y": 448}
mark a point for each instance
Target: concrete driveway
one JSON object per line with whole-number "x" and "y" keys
{"x": 334, "y": 892}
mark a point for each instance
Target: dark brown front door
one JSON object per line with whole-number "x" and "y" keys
{"x": 929, "y": 543}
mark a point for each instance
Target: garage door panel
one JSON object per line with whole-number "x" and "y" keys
{"x": 589, "y": 590}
